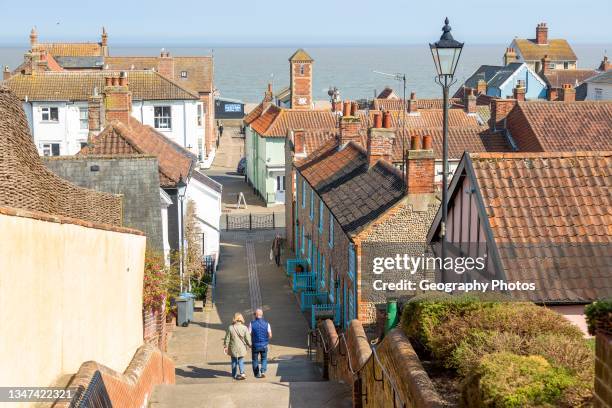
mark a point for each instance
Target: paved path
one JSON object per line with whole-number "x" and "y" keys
{"x": 247, "y": 279}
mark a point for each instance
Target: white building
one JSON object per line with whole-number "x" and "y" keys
{"x": 599, "y": 88}
{"x": 206, "y": 193}
{"x": 57, "y": 107}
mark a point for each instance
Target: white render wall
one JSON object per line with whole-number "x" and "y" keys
{"x": 604, "y": 94}
{"x": 208, "y": 212}
{"x": 67, "y": 132}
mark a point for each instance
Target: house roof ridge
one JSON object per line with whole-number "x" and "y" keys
{"x": 539, "y": 155}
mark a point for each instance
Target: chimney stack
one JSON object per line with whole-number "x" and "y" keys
{"x": 509, "y": 56}
{"x": 117, "y": 99}
{"x": 6, "y": 74}
{"x": 165, "y": 64}
{"x": 500, "y": 108}
{"x": 299, "y": 143}
{"x": 350, "y": 126}
{"x": 542, "y": 34}
{"x": 545, "y": 65}
{"x": 95, "y": 114}
{"x": 481, "y": 87}
{"x": 268, "y": 98}
{"x": 469, "y": 100}
{"x": 519, "y": 91}
{"x": 420, "y": 166}
{"x": 568, "y": 93}
{"x": 605, "y": 65}
{"x": 413, "y": 104}
{"x": 104, "y": 42}
{"x": 380, "y": 139}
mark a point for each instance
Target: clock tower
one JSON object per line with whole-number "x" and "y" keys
{"x": 300, "y": 65}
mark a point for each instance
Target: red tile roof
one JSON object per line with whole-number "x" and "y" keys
{"x": 71, "y": 49}
{"x": 551, "y": 218}
{"x": 119, "y": 139}
{"x": 276, "y": 122}
{"x": 561, "y": 126}
{"x": 396, "y": 104}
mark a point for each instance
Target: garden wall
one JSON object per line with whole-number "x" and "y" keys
{"x": 392, "y": 371}
{"x": 603, "y": 370}
{"x": 70, "y": 291}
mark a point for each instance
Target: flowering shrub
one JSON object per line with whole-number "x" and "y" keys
{"x": 155, "y": 286}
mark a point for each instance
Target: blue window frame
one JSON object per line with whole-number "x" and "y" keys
{"x": 312, "y": 207}
{"x": 351, "y": 305}
{"x": 303, "y": 241}
{"x": 351, "y": 262}
{"x": 320, "y": 216}
{"x": 303, "y": 193}
{"x": 331, "y": 231}
{"x": 332, "y": 284}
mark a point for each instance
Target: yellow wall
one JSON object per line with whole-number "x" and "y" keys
{"x": 68, "y": 294}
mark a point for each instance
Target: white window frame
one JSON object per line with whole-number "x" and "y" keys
{"x": 280, "y": 182}
{"x": 200, "y": 115}
{"x": 162, "y": 120}
{"x": 47, "y": 110}
{"x": 47, "y": 149}
{"x": 183, "y": 74}
{"x": 83, "y": 118}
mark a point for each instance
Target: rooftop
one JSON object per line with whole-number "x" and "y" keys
{"x": 556, "y": 50}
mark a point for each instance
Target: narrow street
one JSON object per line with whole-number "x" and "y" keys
{"x": 246, "y": 280}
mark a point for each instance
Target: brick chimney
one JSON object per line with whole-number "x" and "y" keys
{"x": 6, "y": 74}
{"x": 605, "y": 65}
{"x": 268, "y": 98}
{"x": 568, "y": 93}
{"x": 165, "y": 64}
{"x": 545, "y": 65}
{"x": 509, "y": 56}
{"x": 420, "y": 166}
{"x": 553, "y": 94}
{"x": 33, "y": 38}
{"x": 542, "y": 34}
{"x": 350, "y": 126}
{"x": 299, "y": 142}
{"x": 117, "y": 99}
{"x": 469, "y": 100}
{"x": 500, "y": 108}
{"x": 95, "y": 113}
{"x": 519, "y": 90}
{"x": 413, "y": 104}
{"x": 104, "y": 42}
{"x": 380, "y": 140}
{"x": 481, "y": 87}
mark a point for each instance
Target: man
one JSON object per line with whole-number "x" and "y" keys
{"x": 261, "y": 333}
{"x": 220, "y": 130}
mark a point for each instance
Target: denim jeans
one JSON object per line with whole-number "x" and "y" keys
{"x": 237, "y": 362}
{"x": 263, "y": 352}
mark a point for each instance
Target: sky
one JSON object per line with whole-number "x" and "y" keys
{"x": 291, "y": 22}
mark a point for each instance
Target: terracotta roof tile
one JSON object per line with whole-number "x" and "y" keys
{"x": 396, "y": 104}
{"x": 276, "y": 122}
{"x": 80, "y": 85}
{"x": 551, "y": 220}
{"x": 119, "y": 139}
{"x": 71, "y": 49}
{"x": 561, "y": 126}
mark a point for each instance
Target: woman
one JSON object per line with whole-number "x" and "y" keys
{"x": 237, "y": 339}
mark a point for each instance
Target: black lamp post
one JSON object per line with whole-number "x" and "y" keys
{"x": 445, "y": 53}
{"x": 181, "y": 188}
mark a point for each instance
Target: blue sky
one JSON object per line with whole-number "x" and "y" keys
{"x": 314, "y": 22}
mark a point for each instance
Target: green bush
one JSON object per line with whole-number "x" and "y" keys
{"x": 466, "y": 357}
{"x": 599, "y": 316}
{"x": 506, "y": 380}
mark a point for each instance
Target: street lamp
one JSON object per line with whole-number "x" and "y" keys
{"x": 181, "y": 188}
{"x": 445, "y": 53}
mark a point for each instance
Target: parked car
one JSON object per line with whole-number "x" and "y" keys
{"x": 241, "y": 169}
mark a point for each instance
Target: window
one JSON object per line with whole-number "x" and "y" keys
{"x": 199, "y": 115}
{"x": 280, "y": 183}
{"x": 183, "y": 74}
{"x": 552, "y": 66}
{"x": 566, "y": 65}
{"x": 332, "y": 284}
{"x": 50, "y": 149}
{"x": 84, "y": 117}
{"x": 83, "y": 144}
{"x": 303, "y": 240}
{"x": 320, "y": 216}
{"x": 330, "y": 240}
{"x": 351, "y": 261}
{"x": 50, "y": 114}
{"x": 598, "y": 94}
{"x": 323, "y": 272}
{"x": 301, "y": 69}
{"x": 162, "y": 117}
{"x": 303, "y": 193}
{"x": 311, "y": 203}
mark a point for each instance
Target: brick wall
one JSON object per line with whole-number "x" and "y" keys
{"x": 155, "y": 329}
{"x": 301, "y": 85}
{"x": 500, "y": 108}
{"x": 603, "y": 370}
{"x": 131, "y": 389}
{"x": 393, "y": 372}
{"x": 136, "y": 178}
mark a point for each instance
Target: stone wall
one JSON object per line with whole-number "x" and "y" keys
{"x": 136, "y": 178}
{"x": 26, "y": 183}
{"x": 389, "y": 371}
{"x": 603, "y": 370}
{"x": 98, "y": 385}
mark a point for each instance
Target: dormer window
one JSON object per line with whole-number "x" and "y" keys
{"x": 183, "y": 74}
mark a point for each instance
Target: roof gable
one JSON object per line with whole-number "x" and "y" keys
{"x": 300, "y": 55}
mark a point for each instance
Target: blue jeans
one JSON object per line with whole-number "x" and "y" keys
{"x": 237, "y": 362}
{"x": 263, "y": 352}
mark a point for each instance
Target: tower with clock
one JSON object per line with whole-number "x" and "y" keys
{"x": 300, "y": 64}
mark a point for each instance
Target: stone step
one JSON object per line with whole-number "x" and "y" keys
{"x": 253, "y": 395}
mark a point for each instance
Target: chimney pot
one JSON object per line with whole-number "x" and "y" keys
{"x": 427, "y": 142}
{"x": 346, "y": 108}
{"x": 378, "y": 120}
{"x": 354, "y": 108}
{"x": 386, "y": 121}
{"x": 415, "y": 142}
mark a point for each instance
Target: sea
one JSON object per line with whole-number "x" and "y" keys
{"x": 243, "y": 72}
